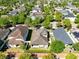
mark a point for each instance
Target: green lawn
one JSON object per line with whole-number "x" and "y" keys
{"x": 38, "y": 50}
{"x": 71, "y": 56}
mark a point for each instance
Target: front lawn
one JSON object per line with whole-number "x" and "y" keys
{"x": 38, "y": 50}
{"x": 71, "y": 56}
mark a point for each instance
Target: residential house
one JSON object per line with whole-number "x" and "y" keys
{"x": 3, "y": 35}
{"x": 68, "y": 14}
{"x": 18, "y": 36}
{"x": 61, "y": 35}
{"x": 17, "y": 10}
{"x": 36, "y": 12}
{"x": 13, "y": 12}
{"x": 71, "y": 6}
{"x": 39, "y": 38}
{"x": 2, "y": 8}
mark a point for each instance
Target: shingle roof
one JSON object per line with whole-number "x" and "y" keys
{"x": 3, "y": 33}
{"x": 67, "y": 13}
{"x": 19, "y": 30}
{"x": 18, "y": 33}
{"x": 38, "y": 38}
{"x": 60, "y": 34}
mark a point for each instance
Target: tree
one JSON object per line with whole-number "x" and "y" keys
{"x": 77, "y": 19}
{"x": 21, "y": 18}
{"x": 3, "y": 22}
{"x": 36, "y": 22}
{"x": 2, "y": 55}
{"x": 57, "y": 46}
{"x": 46, "y": 23}
{"x": 14, "y": 20}
{"x": 67, "y": 23}
{"x": 71, "y": 56}
{"x": 78, "y": 26}
{"x": 47, "y": 9}
{"x": 28, "y": 21}
{"x": 49, "y": 56}
{"x": 76, "y": 46}
{"x": 25, "y": 56}
{"x": 47, "y": 20}
{"x": 58, "y": 16}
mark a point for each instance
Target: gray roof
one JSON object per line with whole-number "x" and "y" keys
{"x": 13, "y": 12}
{"x": 60, "y": 34}
{"x": 4, "y": 33}
{"x": 67, "y": 13}
{"x": 38, "y": 37}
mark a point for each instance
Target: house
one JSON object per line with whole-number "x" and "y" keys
{"x": 68, "y": 14}
{"x": 61, "y": 35}
{"x": 17, "y": 10}
{"x": 18, "y": 36}
{"x": 71, "y": 6}
{"x": 36, "y": 12}
{"x": 2, "y": 8}
{"x": 3, "y": 35}
{"x": 39, "y": 38}
{"x": 13, "y": 12}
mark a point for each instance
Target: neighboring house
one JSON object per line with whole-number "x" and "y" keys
{"x": 71, "y": 6}
{"x": 3, "y": 35}
{"x": 2, "y": 8}
{"x": 17, "y": 10}
{"x": 39, "y": 38}
{"x": 13, "y": 12}
{"x": 36, "y": 12}
{"x": 18, "y": 36}
{"x": 61, "y": 35}
{"x": 68, "y": 14}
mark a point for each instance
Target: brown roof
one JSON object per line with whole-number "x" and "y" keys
{"x": 17, "y": 33}
{"x": 19, "y": 30}
{"x": 38, "y": 38}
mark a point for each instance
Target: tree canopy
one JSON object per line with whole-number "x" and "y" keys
{"x": 76, "y": 46}
{"x": 57, "y": 46}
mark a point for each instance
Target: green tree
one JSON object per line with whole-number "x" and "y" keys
{"x": 76, "y": 46}
{"x": 21, "y": 18}
{"x": 77, "y": 19}
{"x": 58, "y": 16}
{"x": 78, "y": 26}
{"x": 14, "y": 20}
{"x": 67, "y": 23}
{"x": 57, "y": 46}
{"x": 3, "y": 22}
{"x": 46, "y": 22}
{"x": 71, "y": 56}
{"x": 36, "y": 22}
{"x": 28, "y": 21}
{"x": 2, "y": 55}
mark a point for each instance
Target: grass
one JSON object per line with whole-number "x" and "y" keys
{"x": 71, "y": 56}
{"x": 38, "y": 50}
